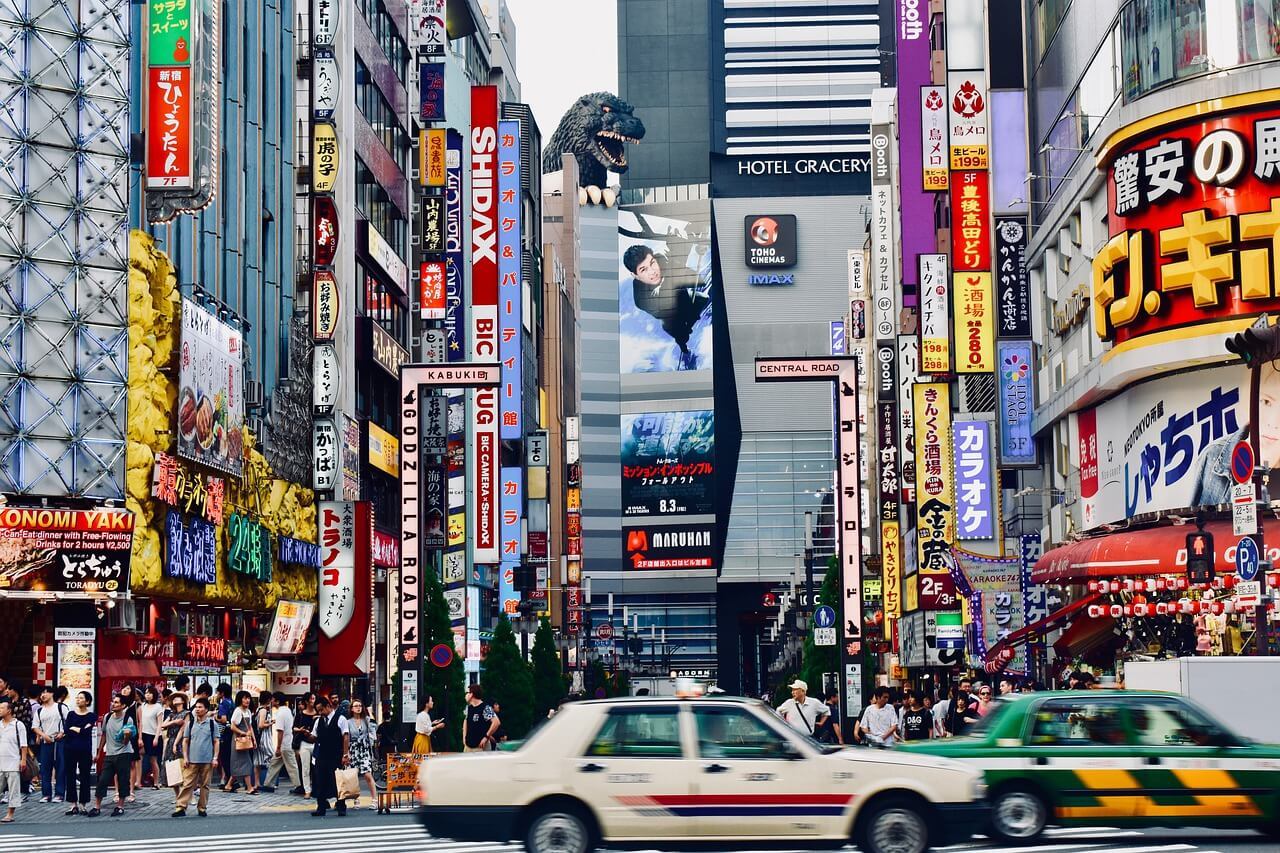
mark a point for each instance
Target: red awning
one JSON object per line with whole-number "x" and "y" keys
{"x": 1154, "y": 551}
{"x": 999, "y": 655}
{"x": 1083, "y": 636}
{"x": 128, "y": 668}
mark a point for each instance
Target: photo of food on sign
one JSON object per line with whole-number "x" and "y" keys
{"x": 210, "y": 391}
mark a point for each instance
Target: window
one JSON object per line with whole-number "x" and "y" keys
{"x": 735, "y": 733}
{"x": 1171, "y": 723}
{"x": 384, "y": 121}
{"x": 1078, "y": 722}
{"x": 639, "y": 733}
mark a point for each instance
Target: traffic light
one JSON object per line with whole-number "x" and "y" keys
{"x": 1200, "y": 556}
{"x": 1257, "y": 344}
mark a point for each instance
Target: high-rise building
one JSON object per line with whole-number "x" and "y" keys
{"x": 663, "y": 68}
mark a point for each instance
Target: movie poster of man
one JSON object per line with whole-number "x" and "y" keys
{"x": 664, "y": 295}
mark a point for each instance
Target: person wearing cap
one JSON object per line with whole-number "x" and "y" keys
{"x": 801, "y": 712}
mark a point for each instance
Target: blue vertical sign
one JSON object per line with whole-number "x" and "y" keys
{"x": 455, "y": 320}
{"x": 510, "y": 292}
{"x": 1016, "y": 375}
{"x": 837, "y": 337}
{"x": 510, "y": 507}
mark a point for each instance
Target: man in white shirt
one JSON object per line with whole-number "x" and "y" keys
{"x": 802, "y": 713}
{"x": 879, "y": 723}
{"x": 282, "y": 737}
{"x": 13, "y": 757}
{"x": 48, "y": 725}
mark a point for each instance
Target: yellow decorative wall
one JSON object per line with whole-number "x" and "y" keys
{"x": 282, "y": 507}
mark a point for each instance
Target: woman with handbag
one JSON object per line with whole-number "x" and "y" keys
{"x": 129, "y": 696}
{"x": 264, "y": 731}
{"x": 304, "y": 720}
{"x": 172, "y": 730}
{"x": 243, "y": 744}
{"x": 363, "y": 733}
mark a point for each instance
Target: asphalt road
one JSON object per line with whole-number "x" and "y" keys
{"x": 295, "y": 831}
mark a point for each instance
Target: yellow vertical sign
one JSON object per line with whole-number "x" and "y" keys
{"x": 975, "y": 322}
{"x": 324, "y": 157}
{"x": 891, "y": 566}
{"x": 431, "y": 157}
{"x": 935, "y": 483}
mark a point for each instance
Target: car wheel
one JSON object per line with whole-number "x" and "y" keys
{"x": 893, "y": 826}
{"x": 1018, "y": 816}
{"x": 558, "y": 831}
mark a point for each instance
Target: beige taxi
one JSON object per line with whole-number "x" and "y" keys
{"x": 683, "y": 772}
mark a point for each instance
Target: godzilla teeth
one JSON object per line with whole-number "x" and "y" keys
{"x": 609, "y": 134}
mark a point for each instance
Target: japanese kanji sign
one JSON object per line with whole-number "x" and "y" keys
{"x": 169, "y": 28}
{"x": 933, "y": 137}
{"x": 967, "y": 99}
{"x": 970, "y": 221}
{"x": 325, "y": 305}
{"x": 935, "y": 486}
{"x": 190, "y": 549}
{"x": 345, "y": 589}
{"x": 1194, "y": 218}
{"x": 1013, "y": 287}
{"x": 974, "y": 322}
{"x": 175, "y": 484}
{"x": 510, "y": 290}
{"x": 324, "y": 157}
{"x": 935, "y": 315}
{"x": 169, "y": 128}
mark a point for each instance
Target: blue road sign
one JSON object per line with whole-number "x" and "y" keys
{"x": 1247, "y": 559}
{"x": 824, "y": 617}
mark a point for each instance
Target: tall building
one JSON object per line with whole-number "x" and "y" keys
{"x": 663, "y": 68}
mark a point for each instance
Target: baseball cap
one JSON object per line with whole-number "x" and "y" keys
{"x": 798, "y": 685}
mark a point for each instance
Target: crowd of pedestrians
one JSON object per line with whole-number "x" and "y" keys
{"x": 192, "y": 743}
{"x": 908, "y": 714}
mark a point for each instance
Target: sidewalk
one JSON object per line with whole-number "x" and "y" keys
{"x": 155, "y": 804}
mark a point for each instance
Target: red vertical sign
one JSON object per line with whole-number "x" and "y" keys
{"x": 169, "y": 128}
{"x": 484, "y": 314}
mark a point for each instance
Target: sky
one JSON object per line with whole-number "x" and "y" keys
{"x": 564, "y": 48}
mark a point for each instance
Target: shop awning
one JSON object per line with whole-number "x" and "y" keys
{"x": 999, "y": 655}
{"x": 128, "y": 668}
{"x": 1084, "y": 636}
{"x": 1154, "y": 551}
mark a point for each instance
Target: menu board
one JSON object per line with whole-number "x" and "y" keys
{"x": 76, "y": 648}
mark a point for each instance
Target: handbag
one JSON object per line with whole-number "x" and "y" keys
{"x": 347, "y": 780}
{"x": 173, "y": 772}
{"x": 244, "y": 742}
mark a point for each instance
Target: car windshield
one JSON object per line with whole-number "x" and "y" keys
{"x": 998, "y": 708}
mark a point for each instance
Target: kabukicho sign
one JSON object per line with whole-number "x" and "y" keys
{"x": 1194, "y": 218}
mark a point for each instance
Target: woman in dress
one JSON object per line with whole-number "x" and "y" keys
{"x": 243, "y": 744}
{"x": 363, "y": 744}
{"x": 171, "y": 730}
{"x": 424, "y": 727}
{"x": 264, "y": 725}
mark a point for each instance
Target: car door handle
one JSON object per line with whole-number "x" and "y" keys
{"x": 1153, "y": 759}
{"x": 715, "y": 768}
{"x": 590, "y": 767}
{"x": 1041, "y": 760}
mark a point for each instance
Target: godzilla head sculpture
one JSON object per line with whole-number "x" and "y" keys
{"x": 596, "y": 130}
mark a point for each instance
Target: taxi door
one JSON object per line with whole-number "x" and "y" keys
{"x": 1191, "y": 772}
{"x": 1079, "y": 755}
{"x": 752, "y": 781}
{"x": 635, "y": 773}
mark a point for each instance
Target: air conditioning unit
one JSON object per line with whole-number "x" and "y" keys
{"x": 253, "y": 394}
{"x": 123, "y": 616}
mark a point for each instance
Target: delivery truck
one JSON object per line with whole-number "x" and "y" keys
{"x": 1241, "y": 692}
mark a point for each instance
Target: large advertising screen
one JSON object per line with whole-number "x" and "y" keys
{"x": 664, "y": 287}
{"x": 1165, "y": 445}
{"x": 210, "y": 391}
{"x": 668, "y": 463}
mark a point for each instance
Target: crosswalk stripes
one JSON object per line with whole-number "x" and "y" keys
{"x": 403, "y": 838}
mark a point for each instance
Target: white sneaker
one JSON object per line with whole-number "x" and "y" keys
{"x": 44, "y": 799}
{"x": 57, "y": 799}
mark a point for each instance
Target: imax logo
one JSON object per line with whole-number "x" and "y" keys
{"x": 771, "y": 279}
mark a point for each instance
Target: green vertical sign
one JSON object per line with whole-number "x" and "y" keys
{"x": 169, "y": 32}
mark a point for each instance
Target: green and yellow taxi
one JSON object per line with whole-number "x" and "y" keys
{"x": 1115, "y": 758}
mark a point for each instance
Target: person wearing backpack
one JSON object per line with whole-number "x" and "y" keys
{"x": 199, "y": 754}
{"x": 115, "y": 756}
{"x": 49, "y": 725}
